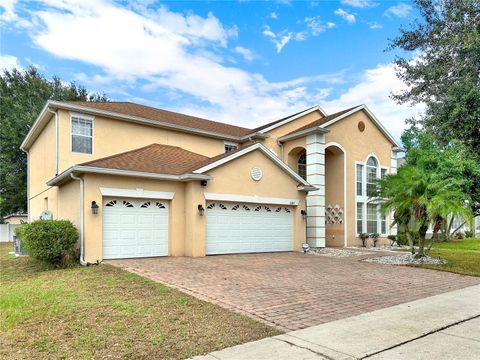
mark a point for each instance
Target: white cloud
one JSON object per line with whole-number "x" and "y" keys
{"x": 279, "y": 39}
{"x": 374, "y": 89}
{"x": 274, "y": 15}
{"x": 375, "y": 25}
{"x": 358, "y": 3}
{"x": 317, "y": 26}
{"x": 400, "y": 10}
{"x": 9, "y": 62}
{"x": 9, "y": 14}
{"x": 246, "y": 53}
{"x": 169, "y": 53}
{"x": 350, "y": 18}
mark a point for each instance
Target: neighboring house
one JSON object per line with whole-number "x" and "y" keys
{"x": 16, "y": 218}
{"x": 177, "y": 185}
{"x": 10, "y": 223}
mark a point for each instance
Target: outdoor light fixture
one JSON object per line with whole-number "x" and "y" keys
{"x": 94, "y": 208}
{"x": 305, "y": 247}
{"x": 304, "y": 214}
{"x": 201, "y": 209}
{"x": 203, "y": 182}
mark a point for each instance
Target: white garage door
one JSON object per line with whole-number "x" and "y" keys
{"x": 247, "y": 228}
{"x": 134, "y": 228}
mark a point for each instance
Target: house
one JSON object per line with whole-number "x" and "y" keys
{"x": 140, "y": 181}
{"x": 15, "y": 218}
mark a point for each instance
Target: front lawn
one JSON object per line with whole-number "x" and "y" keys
{"x": 105, "y": 312}
{"x": 463, "y": 257}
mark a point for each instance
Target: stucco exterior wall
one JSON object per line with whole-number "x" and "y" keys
{"x": 94, "y": 225}
{"x": 112, "y": 136}
{"x": 358, "y": 146}
{"x": 42, "y": 160}
{"x": 334, "y": 194}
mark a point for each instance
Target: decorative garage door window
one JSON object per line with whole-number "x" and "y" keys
{"x": 117, "y": 203}
{"x": 248, "y": 207}
{"x": 333, "y": 215}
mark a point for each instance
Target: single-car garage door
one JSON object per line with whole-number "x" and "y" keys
{"x": 247, "y": 228}
{"x": 134, "y": 228}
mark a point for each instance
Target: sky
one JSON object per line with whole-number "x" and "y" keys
{"x": 241, "y": 62}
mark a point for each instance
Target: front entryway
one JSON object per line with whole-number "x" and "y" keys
{"x": 248, "y": 228}
{"x": 134, "y": 228}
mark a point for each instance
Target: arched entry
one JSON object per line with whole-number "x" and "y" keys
{"x": 335, "y": 202}
{"x": 297, "y": 160}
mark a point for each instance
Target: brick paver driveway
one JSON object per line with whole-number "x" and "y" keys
{"x": 293, "y": 290}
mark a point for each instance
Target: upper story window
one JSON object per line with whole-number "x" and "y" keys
{"x": 82, "y": 134}
{"x": 302, "y": 166}
{"x": 372, "y": 170}
{"x": 229, "y": 147}
{"x": 359, "y": 179}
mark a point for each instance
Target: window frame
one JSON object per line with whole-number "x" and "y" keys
{"x": 364, "y": 198}
{"x": 302, "y": 164}
{"x": 81, "y": 117}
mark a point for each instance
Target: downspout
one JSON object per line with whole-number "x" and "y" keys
{"x": 56, "y": 139}
{"x": 82, "y": 234}
{"x": 28, "y": 184}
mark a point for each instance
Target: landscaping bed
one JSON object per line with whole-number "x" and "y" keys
{"x": 105, "y": 312}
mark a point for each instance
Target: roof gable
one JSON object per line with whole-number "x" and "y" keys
{"x": 225, "y": 158}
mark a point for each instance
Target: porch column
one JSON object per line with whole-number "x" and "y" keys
{"x": 316, "y": 199}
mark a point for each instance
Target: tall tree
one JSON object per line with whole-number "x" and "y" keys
{"x": 451, "y": 162}
{"x": 22, "y": 96}
{"x": 444, "y": 72}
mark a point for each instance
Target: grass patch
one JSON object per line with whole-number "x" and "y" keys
{"x": 463, "y": 257}
{"x": 105, "y": 312}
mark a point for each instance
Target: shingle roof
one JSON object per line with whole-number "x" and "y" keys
{"x": 154, "y": 158}
{"x": 279, "y": 120}
{"x": 132, "y": 109}
{"x": 321, "y": 121}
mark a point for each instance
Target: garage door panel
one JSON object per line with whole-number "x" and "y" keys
{"x": 243, "y": 228}
{"x": 134, "y": 228}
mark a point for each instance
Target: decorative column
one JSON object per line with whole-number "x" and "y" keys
{"x": 316, "y": 199}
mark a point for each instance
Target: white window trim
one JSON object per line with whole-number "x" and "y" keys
{"x": 83, "y": 117}
{"x": 364, "y": 198}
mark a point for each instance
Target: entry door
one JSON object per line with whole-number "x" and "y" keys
{"x": 248, "y": 228}
{"x": 134, "y": 228}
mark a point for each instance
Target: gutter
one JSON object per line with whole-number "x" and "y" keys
{"x": 307, "y": 188}
{"x": 82, "y": 234}
{"x": 96, "y": 170}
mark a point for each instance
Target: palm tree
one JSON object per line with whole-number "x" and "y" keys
{"x": 421, "y": 199}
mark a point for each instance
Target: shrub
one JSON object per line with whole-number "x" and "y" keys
{"x": 364, "y": 237}
{"x": 469, "y": 234}
{"x": 375, "y": 237}
{"x": 52, "y": 241}
{"x": 459, "y": 235}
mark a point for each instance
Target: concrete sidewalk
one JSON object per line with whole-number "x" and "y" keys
{"x": 445, "y": 326}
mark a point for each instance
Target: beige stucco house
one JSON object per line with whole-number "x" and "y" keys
{"x": 140, "y": 181}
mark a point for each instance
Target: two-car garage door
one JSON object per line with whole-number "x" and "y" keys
{"x": 248, "y": 228}
{"x": 134, "y": 228}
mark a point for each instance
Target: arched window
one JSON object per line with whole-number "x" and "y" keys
{"x": 302, "y": 166}
{"x": 372, "y": 171}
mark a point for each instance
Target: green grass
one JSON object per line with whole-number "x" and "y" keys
{"x": 463, "y": 257}
{"x": 105, "y": 312}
